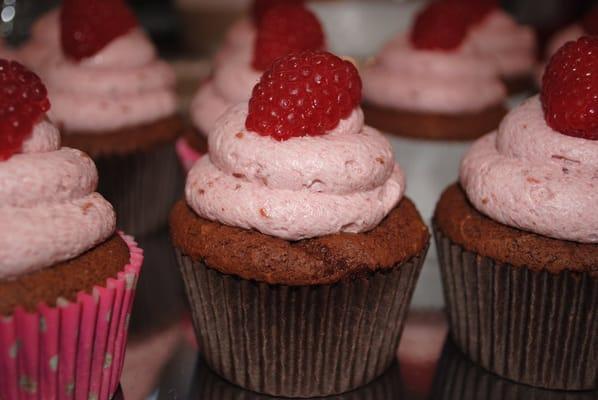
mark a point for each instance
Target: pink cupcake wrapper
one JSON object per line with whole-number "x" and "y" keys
{"x": 187, "y": 154}
{"x": 74, "y": 351}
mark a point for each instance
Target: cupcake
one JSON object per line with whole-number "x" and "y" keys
{"x": 431, "y": 83}
{"x": 499, "y": 38}
{"x": 295, "y": 231}
{"x": 67, "y": 278}
{"x": 283, "y": 29}
{"x": 459, "y": 379}
{"x": 44, "y": 40}
{"x": 114, "y": 99}
{"x": 519, "y": 234}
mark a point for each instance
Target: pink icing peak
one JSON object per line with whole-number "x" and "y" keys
{"x": 531, "y": 177}
{"x": 48, "y": 204}
{"x": 287, "y": 189}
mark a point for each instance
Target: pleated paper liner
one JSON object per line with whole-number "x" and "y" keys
{"x": 531, "y": 327}
{"x": 73, "y": 351}
{"x": 142, "y": 187}
{"x": 458, "y": 378}
{"x": 305, "y": 341}
{"x": 209, "y": 386}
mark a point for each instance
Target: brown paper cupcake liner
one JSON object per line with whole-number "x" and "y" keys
{"x": 142, "y": 187}
{"x": 209, "y": 386}
{"x": 304, "y": 341}
{"x": 460, "y": 379}
{"x": 531, "y": 327}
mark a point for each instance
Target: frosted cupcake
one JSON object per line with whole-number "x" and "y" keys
{"x": 519, "y": 234}
{"x": 308, "y": 204}
{"x": 283, "y": 29}
{"x": 114, "y": 99}
{"x": 44, "y": 40}
{"x": 67, "y": 278}
{"x": 431, "y": 83}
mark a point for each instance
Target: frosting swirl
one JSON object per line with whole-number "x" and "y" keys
{"x": 344, "y": 181}
{"x": 48, "y": 204}
{"x": 531, "y": 177}
{"x": 505, "y": 43}
{"x": 231, "y": 83}
{"x": 122, "y": 85}
{"x": 432, "y": 81}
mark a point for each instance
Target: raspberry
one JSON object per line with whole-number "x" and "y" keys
{"x": 570, "y": 89}
{"x": 303, "y": 94}
{"x": 440, "y": 26}
{"x": 476, "y": 10}
{"x": 590, "y": 22}
{"x": 260, "y": 7}
{"x": 23, "y": 102}
{"x": 286, "y": 29}
{"x": 89, "y": 25}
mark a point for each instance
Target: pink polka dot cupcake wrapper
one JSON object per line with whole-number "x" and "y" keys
{"x": 187, "y": 154}
{"x": 75, "y": 350}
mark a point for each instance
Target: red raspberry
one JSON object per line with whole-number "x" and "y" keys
{"x": 23, "y": 102}
{"x": 89, "y": 25}
{"x": 442, "y": 25}
{"x": 260, "y": 7}
{"x": 286, "y": 29}
{"x": 476, "y": 10}
{"x": 570, "y": 89}
{"x": 590, "y": 22}
{"x": 303, "y": 94}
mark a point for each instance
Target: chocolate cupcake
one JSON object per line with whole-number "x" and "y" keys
{"x": 427, "y": 84}
{"x": 295, "y": 231}
{"x": 115, "y": 100}
{"x": 282, "y": 30}
{"x": 518, "y": 238}
{"x": 67, "y": 278}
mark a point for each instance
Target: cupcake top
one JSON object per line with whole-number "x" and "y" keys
{"x": 539, "y": 171}
{"x": 48, "y": 201}
{"x": 282, "y": 29}
{"x": 434, "y": 68}
{"x": 44, "y": 40}
{"x": 107, "y": 76}
{"x": 297, "y": 162}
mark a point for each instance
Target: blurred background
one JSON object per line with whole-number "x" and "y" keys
{"x": 193, "y": 28}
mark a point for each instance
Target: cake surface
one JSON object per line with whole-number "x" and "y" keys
{"x": 463, "y": 224}
{"x": 255, "y": 256}
{"x": 65, "y": 279}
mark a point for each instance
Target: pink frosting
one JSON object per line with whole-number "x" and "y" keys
{"x": 48, "y": 205}
{"x": 231, "y": 83}
{"x": 125, "y": 84}
{"x": 44, "y": 40}
{"x": 510, "y": 46}
{"x": 432, "y": 81}
{"x": 344, "y": 181}
{"x": 531, "y": 177}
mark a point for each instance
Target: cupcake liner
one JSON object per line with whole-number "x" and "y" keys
{"x": 460, "y": 379}
{"x": 531, "y": 327}
{"x": 75, "y": 350}
{"x": 304, "y": 341}
{"x": 153, "y": 313}
{"x": 209, "y": 386}
{"x": 187, "y": 154}
{"x": 142, "y": 187}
